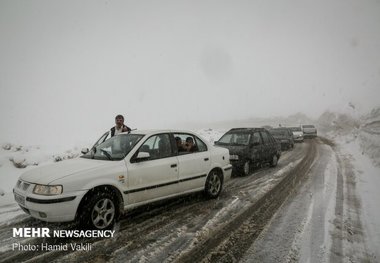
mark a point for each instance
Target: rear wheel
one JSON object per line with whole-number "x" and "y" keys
{"x": 214, "y": 184}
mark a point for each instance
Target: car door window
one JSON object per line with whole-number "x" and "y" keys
{"x": 188, "y": 143}
{"x": 272, "y": 140}
{"x": 265, "y": 137}
{"x": 202, "y": 147}
{"x": 158, "y": 146}
{"x": 256, "y": 139}
{"x": 101, "y": 139}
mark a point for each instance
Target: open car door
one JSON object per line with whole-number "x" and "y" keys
{"x": 104, "y": 137}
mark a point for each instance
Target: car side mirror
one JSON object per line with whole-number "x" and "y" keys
{"x": 84, "y": 150}
{"x": 142, "y": 156}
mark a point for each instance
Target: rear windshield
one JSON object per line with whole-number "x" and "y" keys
{"x": 235, "y": 138}
{"x": 278, "y": 132}
{"x": 295, "y": 128}
{"x": 308, "y": 126}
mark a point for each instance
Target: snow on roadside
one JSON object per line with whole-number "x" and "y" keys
{"x": 16, "y": 159}
{"x": 364, "y": 129}
{"x": 368, "y": 185}
{"x": 211, "y": 135}
{"x": 359, "y": 139}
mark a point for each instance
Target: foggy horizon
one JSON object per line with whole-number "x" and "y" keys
{"x": 68, "y": 68}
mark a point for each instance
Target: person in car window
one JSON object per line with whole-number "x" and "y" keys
{"x": 190, "y": 145}
{"x": 180, "y": 146}
{"x": 119, "y": 127}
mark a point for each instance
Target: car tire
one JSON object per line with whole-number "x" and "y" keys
{"x": 274, "y": 161}
{"x": 214, "y": 183}
{"x": 246, "y": 169}
{"x": 99, "y": 212}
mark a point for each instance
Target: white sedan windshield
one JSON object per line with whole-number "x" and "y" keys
{"x": 115, "y": 148}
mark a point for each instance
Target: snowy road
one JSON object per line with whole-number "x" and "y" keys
{"x": 321, "y": 221}
{"x": 302, "y": 210}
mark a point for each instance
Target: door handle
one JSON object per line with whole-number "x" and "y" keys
{"x": 173, "y": 165}
{"x": 205, "y": 159}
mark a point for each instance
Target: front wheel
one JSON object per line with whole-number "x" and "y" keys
{"x": 274, "y": 161}
{"x": 100, "y": 213}
{"x": 213, "y": 185}
{"x": 246, "y": 168}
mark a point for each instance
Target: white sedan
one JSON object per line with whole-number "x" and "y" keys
{"x": 122, "y": 172}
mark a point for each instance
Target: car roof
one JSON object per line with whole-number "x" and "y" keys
{"x": 156, "y": 131}
{"x": 247, "y": 129}
{"x": 281, "y": 128}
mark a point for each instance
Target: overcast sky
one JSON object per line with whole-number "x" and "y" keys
{"x": 68, "y": 67}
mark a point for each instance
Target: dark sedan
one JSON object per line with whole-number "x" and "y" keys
{"x": 284, "y": 136}
{"x": 250, "y": 148}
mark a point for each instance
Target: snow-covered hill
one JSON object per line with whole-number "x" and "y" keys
{"x": 363, "y": 130}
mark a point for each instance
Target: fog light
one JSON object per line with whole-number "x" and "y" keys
{"x": 43, "y": 215}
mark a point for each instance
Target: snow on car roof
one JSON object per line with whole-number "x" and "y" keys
{"x": 154, "y": 131}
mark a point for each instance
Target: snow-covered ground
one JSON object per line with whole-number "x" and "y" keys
{"x": 358, "y": 139}
{"x": 16, "y": 159}
{"x": 367, "y": 180}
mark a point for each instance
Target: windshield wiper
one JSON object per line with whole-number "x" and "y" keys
{"x": 106, "y": 154}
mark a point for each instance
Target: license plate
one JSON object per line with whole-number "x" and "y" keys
{"x": 20, "y": 199}
{"x": 234, "y": 157}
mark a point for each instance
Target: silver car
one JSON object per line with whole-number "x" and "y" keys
{"x": 309, "y": 131}
{"x": 297, "y": 134}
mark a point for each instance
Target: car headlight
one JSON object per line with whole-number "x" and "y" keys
{"x": 40, "y": 189}
{"x": 234, "y": 157}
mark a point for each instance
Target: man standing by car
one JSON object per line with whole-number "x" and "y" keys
{"x": 119, "y": 127}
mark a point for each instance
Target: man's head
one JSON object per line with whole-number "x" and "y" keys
{"x": 190, "y": 141}
{"x": 178, "y": 141}
{"x": 119, "y": 120}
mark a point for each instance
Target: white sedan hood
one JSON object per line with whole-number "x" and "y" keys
{"x": 48, "y": 173}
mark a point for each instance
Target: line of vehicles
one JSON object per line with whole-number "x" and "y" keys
{"x": 139, "y": 167}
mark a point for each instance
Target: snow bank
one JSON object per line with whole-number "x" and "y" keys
{"x": 211, "y": 135}
{"x": 368, "y": 184}
{"x": 365, "y": 130}
{"x": 369, "y": 135}
{"x": 16, "y": 159}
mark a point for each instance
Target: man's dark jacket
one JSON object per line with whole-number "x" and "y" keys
{"x": 113, "y": 129}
